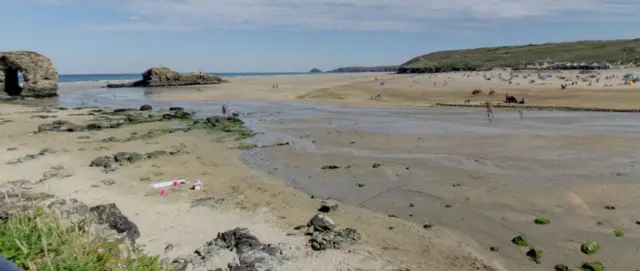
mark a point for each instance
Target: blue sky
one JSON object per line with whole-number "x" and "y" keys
{"x": 116, "y": 36}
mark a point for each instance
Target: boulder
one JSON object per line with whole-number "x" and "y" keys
{"x": 145, "y": 107}
{"x": 322, "y": 240}
{"x": 103, "y": 162}
{"x": 165, "y": 77}
{"x": 128, "y": 157}
{"x": 39, "y": 75}
{"x": 321, "y": 222}
{"x": 110, "y": 215}
{"x": 251, "y": 254}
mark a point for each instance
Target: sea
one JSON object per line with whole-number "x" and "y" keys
{"x": 68, "y": 78}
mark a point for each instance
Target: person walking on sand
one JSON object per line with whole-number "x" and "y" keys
{"x": 489, "y": 110}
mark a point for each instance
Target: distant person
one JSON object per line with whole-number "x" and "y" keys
{"x": 521, "y": 112}
{"x": 225, "y": 110}
{"x": 489, "y": 110}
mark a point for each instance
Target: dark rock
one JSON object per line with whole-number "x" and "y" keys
{"x": 156, "y": 154}
{"x": 40, "y": 78}
{"x": 108, "y": 182}
{"x": 168, "y": 248}
{"x": 128, "y": 157}
{"x": 251, "y": 253}
{"x": 329, "y": 206}
{"x": 146, "y": 107}
{"x": 43, "y": 116}
{"x": 59, "y": 126}
{"x": 12, "y": 149}
{"x": 175, "y": 108}
{"x": 122, "y": 110}
{"x": 321, "y": 222}
{"x": 46, "y": 151}
{"x": 110, "y": 215}
{"x": 104, "y": 162}
{"x": 165, "y": 77}
{"x": 321, "y": 240}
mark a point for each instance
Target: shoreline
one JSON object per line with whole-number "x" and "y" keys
{"x": 543, "y": 107}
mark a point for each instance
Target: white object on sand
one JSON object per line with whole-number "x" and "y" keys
{"x": 197, "y": 185}
{"x": 169, "y": 183}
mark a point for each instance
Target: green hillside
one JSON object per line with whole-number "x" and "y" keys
{"x": 614, "y": 52}
{"x": 367, "y": 69}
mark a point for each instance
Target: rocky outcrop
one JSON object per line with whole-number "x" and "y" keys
{"x": 315, "y": 70}
{"x": 250, "y": 253}
{"x": 324, "y": 234}
{"x": 39, "y": 75}
{"x": 110, "y": 215}
{"x": 17, "y": 201}
{"x": 165, "y": 77}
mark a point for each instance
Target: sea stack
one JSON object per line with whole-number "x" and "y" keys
{"x": 165, "y": 77}
{"x": 39, "y": 75}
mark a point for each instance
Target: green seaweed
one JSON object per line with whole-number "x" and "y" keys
{"x": 592, "y": 266}
{"x": 590, "y": 248}
{"x": 541, "y": 221}
{"x": 519, "y": 241}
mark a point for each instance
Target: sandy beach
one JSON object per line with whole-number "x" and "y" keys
{"x": 428, "y": 89}
{"x": 479, "y": 183}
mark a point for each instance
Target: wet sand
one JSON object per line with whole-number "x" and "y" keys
{"x": 488, "y": 182}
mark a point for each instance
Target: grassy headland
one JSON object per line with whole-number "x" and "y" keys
{"x": 615, "y": 52}
{"x": 392, "y": 68}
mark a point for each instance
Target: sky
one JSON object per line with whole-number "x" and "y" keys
{"x": 129, "y": 36}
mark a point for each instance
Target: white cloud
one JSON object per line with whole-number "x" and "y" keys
{"x": 403, "y": 15}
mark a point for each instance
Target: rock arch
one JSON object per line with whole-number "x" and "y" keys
{"x": 39, "y": 74}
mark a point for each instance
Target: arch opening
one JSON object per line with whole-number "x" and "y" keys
{"x": 12, "y": 82}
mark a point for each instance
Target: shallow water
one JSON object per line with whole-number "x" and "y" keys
{"x": 487, "y": 180}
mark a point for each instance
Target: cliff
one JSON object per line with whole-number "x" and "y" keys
{"x": 598, "y": 53}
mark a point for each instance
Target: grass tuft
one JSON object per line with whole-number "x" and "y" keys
{"x": 42, "y": 241}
